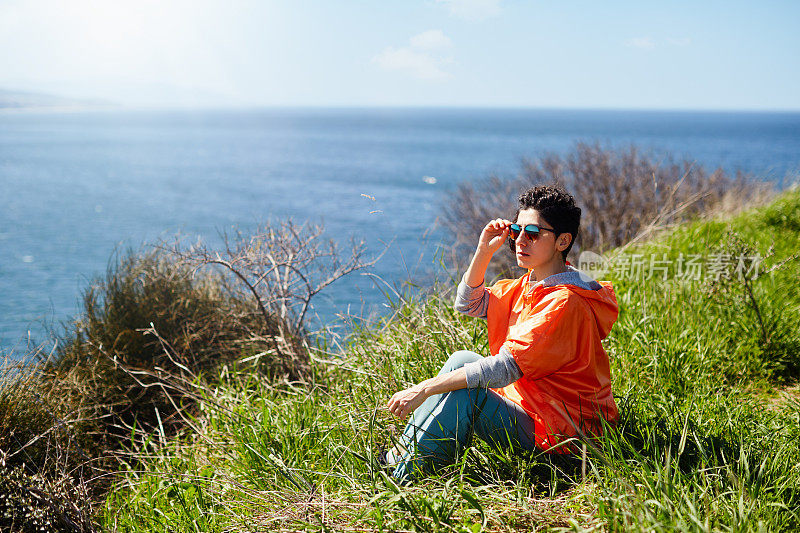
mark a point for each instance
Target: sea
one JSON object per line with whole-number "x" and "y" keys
{"x": 79, "y": 188}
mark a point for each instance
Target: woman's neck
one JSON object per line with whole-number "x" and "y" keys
{"x": 543, "y": 271}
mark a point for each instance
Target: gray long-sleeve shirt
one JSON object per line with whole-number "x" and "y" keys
{"x": 502, "y": 370}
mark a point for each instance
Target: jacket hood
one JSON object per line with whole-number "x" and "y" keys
{"x": 599, "y": 295}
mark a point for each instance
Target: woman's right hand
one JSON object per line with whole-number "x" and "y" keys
{"x": 494, "y": 235}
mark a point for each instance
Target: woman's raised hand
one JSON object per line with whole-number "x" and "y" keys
{"x": 494, "y": 234}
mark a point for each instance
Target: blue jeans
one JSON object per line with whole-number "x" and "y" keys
{"x": 443, "y": 425}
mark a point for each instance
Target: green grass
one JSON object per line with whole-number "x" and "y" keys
{"x": 704, "y": 373}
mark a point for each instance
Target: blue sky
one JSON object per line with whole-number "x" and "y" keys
{"x": 488, "y": 53}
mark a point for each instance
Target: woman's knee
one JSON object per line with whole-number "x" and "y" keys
{"x": 459, "y": 359}
{"x": 463, "y": 402}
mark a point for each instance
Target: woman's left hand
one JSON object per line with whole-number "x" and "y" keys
{"x": 404, "y": 402}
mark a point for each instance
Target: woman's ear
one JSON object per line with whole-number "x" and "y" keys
{"x": 563, "y": 241}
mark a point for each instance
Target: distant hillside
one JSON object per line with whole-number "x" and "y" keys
{"x": 25, "y": 100}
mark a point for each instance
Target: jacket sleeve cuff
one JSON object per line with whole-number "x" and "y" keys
{"x": 472, "y": 301}
{"x": 493, "y": 372}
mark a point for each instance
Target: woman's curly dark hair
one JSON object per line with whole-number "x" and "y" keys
{"x": 556, "y": 206}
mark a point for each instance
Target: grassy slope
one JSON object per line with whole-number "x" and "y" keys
{"x": 707, "y": 441}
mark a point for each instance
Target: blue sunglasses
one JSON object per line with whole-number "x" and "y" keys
{"x": 531, "y": 231}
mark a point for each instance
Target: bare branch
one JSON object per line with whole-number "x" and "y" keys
{"x": 282, "y": 266}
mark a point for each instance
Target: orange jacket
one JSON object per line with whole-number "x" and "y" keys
{"x": 554, "y": 334}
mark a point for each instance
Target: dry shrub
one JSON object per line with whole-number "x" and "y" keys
{"x": 125, "y": 369}
{"x": 152, "y": 333}
{"x": 33, "y": 503}
{"x": 148, "y": 320}
{"x": 280, "y": 267}
{"x": 45, "y": 476}
{"x": 622, "y": 192}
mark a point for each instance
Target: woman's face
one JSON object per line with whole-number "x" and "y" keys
{"x": 539, "y": 251}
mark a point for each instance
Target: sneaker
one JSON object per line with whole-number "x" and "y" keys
{"x": 382, "y": 459}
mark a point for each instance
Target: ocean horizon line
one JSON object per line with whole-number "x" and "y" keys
{"x": 120, "y": 107}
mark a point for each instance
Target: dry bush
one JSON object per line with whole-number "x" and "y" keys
{"x": 34, "y": 503}
{"x": 159, "y": 315}
{"x": 109, "y": 365}
{"x": 45, "y": 476}
{"x": 123, "y": 370}
{"x": 623, "y": 193}
{"x": 280, "y": 268}
{"x": 153, "y": 332}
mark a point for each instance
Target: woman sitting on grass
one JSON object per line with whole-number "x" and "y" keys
{"x": 548, "y": 378}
